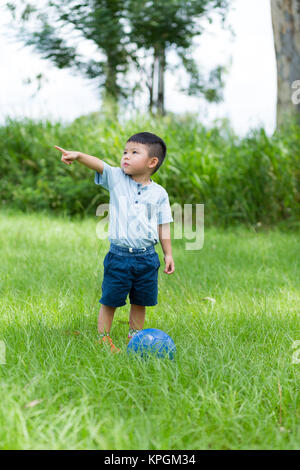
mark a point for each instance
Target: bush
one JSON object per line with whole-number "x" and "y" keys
{"x": 255, "y": 179}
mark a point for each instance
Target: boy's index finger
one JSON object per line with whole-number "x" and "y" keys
{"x": 59, "y": 148}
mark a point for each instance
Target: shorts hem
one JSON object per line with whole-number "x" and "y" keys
{"x": 144, "y": 305}
{"x": 108, "y": 305}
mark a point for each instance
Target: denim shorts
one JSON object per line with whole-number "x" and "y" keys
{"x": 132, "y": 271}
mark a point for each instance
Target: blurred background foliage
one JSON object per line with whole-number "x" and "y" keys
{"x": 253, "y": 179}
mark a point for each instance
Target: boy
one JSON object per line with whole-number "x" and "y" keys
{"x": 142, "y": 215}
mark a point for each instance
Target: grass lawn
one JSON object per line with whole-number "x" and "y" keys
{"x": 233, "y": 384}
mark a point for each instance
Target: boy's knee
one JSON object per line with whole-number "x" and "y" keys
{"x": 108, "y": 309}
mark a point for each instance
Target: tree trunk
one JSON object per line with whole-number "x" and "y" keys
{"x": 161, "y": 74}
{"x": 110, "y": 105}
{"x": 154, "y": 84}
{"x": 151, "y": 85}
{"x": 286, "y": 29}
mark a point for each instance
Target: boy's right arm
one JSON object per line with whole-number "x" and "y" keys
{"x": 91, "y": 162}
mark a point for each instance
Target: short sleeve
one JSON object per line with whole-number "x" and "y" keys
{"x": 164, "y": 210}
{"x": 109, "y": 177}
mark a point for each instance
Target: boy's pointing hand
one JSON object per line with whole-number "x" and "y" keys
{"x": 170, "y": 266}
{"x": 67, "y": 156}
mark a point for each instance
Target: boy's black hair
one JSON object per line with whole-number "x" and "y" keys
{"x": 156, "y": 146}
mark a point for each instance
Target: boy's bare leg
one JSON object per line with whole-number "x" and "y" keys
{"x": 105, "y": 318}
{"x": 137, "y": 317}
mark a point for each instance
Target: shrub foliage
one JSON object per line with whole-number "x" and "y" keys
{"x": 252, "y": 179}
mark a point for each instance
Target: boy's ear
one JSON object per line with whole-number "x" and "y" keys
{"x": 154, "y": 160}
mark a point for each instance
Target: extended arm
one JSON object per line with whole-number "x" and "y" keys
{"x": 91, "y": 162}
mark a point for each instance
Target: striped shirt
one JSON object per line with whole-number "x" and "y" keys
{"x": 134, "y": 210}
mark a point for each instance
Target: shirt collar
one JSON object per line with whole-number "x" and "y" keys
{"x": 139, "y": 185}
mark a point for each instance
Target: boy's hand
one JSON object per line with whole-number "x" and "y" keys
{"x": 170, "y": 266}
{"x": 67, "y": 156}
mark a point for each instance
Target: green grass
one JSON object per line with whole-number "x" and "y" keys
{"x": 221, "y": 392}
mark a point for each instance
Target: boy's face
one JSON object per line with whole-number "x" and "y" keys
{"x": 135, "y": 160}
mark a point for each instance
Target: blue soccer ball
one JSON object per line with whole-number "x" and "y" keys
{"x": 150, "y": 342}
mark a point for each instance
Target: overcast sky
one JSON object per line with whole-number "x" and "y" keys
{"x": 249, "y": 96}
